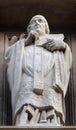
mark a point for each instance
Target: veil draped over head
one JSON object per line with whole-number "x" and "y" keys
{"x": 47, "y": 30}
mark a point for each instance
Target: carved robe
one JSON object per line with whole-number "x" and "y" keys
{"x": 36, "y": 67}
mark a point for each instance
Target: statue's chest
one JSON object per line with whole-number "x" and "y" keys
{"x": 37, "y": 59}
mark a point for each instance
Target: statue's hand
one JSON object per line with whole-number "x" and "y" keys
{"x": 53, "y": 45}
{"x": 32, "y": 36}
{"x": 35, "y": 35}
{"x": 57, "y": 45}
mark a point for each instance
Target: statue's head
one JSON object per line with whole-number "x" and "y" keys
{"x": 38, "y": 23}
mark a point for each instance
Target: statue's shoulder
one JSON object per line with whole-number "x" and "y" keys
{"x": 8, "y": 52}
{"x": 10, "y": 48}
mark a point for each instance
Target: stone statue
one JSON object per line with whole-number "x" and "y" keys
{"x": 38, "y": 70}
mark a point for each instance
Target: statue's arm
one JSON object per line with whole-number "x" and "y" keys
{"x": 54, "y": 45}
{"x": 61, "y": 45}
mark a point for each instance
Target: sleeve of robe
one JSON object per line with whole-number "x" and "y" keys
{"x": 68, "y": 65}
{"x": 13, "y": 57}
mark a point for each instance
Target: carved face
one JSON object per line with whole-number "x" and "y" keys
{"x": 38, "y": 23}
